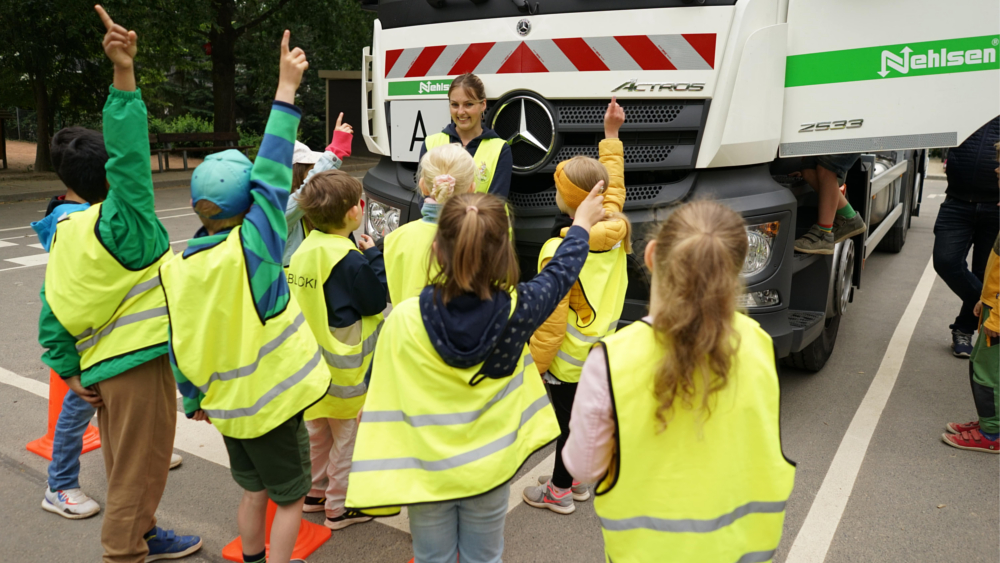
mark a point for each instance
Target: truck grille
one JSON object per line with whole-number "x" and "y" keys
{"x": 547, "y": 198}
{"x": 648, "y": 154}
{"x": 578, "y": 113}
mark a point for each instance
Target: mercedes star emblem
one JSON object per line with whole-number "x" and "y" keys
{"x": 522, "y": 135}
{"x": 523, "y": 27}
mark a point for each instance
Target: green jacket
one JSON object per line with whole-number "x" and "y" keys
{"x": 128, "y": 226}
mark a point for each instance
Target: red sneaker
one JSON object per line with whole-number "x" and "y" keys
{"x": 972, "y": 440}
{"x": 958, "y": 427}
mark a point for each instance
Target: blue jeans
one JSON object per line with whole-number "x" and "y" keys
{"x": 470, "y": 529}
{"x": 960, "y": 226}
{"x": 67, "y": 444}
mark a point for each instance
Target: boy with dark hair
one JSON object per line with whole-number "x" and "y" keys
{"x": 242, "y": 358}
{"x": 79, "y": 158}
{"x": 342, "y": 292}
{"x": 111, "y": 347}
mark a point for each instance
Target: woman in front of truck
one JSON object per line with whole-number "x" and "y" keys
{"x": 494, "y": 164}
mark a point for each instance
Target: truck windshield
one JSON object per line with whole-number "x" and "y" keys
{"x": 403, "y": 13}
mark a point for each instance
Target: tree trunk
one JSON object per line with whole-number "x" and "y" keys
{"x": 43, "y": 159}
{"x": 223, "y": 38}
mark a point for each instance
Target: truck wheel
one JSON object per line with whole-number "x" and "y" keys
{"x": 896, "y": 237}
{"x": 814, "y": 356}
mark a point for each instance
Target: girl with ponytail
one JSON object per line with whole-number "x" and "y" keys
{"x": 676, "y": 416}
{"x": 455, "y": 404}
{"x": 444, "y": 171}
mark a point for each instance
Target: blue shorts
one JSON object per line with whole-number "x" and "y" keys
{"x": 839, "y": 164}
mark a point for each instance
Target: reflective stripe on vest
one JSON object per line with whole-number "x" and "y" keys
{"x": 427, "y": 435}
{"x": 604, "y": 280}
{"x": 724, "y": 502}
{"x": 308, "y": 271}
{"x": 255, "y": 375}
{"x": 407, "y": 251}
{"x": 117, "y": 297}
{"x": 486, "y": 157}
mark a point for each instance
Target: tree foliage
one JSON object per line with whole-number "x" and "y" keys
{"x": 51, "y": 58}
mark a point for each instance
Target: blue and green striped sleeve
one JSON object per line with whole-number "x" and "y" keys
{"x": 264, "y": 230}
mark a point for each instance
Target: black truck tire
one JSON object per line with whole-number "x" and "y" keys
{"x": 814, "y": 356}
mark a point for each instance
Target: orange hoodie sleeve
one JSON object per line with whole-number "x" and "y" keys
{"x": 548, "y": 338}
{"x": 612, "y": 156}
{"x": 991, "y": 288}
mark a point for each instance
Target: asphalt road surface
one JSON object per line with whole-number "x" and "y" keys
{"x": 874, "y": 481}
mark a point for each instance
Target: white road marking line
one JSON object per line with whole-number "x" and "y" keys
{"x": 179, "y": 241}
{"x": 402, "y": 521}
{"x": 14, "y": 228}
{"x": 15, "y": 268}
{"x": 173, "y": 209}
{"x": 814, "y": 538}
{"x": 175, "y": 216}
{"x": 33, "y": 260}
{"x": 4, "y": 243}
{"x": 37, "y": 245}
{"x": 196, "y": 438}
{"x": 19, "y": 236}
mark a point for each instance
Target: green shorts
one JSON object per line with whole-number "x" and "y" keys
{"x": 277, "y": 461}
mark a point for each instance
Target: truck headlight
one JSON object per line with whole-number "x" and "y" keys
{"x": 752, "y": 299}
{"x": 760, "y": 241}
{"x": 382, "y": 219}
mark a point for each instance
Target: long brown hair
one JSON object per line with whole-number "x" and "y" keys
{"x": 473, "y": 248}
{"x": 696, "y": 271}
{"x": 299, "y": 172}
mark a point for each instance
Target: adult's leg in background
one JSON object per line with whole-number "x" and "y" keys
{"x": 954, "y": 232}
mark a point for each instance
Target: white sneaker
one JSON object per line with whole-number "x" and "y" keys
{"x": 71, "y": 503}
{"x": 175, "y": 460}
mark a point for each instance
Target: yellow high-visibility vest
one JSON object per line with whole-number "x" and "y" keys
{"x": 407, "y": 255}
{"x": 431, "y": 432}
{"x": 486, "y": 157}
{"x": 604, "y": 279}
{"x": 308, "y": 271}
{"x": 711, "y": 491}
{"x": 110, "y": 309}
{"x": 255, "y": 374}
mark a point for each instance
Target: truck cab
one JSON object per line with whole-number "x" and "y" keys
{"x": 723, "y": 98}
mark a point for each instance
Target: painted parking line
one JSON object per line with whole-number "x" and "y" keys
{"x": 33, "y": 260}
{"x": 4, "y": 243}
{"x": 820, "y": 526}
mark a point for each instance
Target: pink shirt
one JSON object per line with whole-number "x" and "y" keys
{"x": 591, "y": 443}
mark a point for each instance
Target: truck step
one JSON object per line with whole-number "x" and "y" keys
{"x": 806, "y": 327}
{"x": 801, "y": 260}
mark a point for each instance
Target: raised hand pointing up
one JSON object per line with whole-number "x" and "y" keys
{"x": 120, "y": 46}
{"x": 293, "y": 64}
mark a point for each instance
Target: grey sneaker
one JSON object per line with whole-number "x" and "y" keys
{"x": 175, "y": 461}
{"x": 547, "y": 496}
{"x": 815, "y": 241}
{"x": 70, "y": 503}
{"x": 846, "y": 228}
{"x": 580, "y": 490}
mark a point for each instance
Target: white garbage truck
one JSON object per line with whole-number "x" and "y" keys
{"x": 723, "y": 100}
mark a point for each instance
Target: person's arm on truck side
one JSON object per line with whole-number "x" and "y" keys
{"x": 612, "y": 156}
{"x": 264, "y": 230}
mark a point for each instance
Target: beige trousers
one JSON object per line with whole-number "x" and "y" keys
{"x": 137, "y": 425}
{"x": 331, "y": 447}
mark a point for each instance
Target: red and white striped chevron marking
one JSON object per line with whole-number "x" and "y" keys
{"x": 572, "y": 54}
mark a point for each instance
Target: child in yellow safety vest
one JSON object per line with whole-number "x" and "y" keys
{"x": 677, "y": 414}
{"x": 592, "y": 307}
{"x": 443, "y": 172}
{"x": 342, "y": 294}
{"x": 455, "y": 404}
{"x": 240, "y": 350}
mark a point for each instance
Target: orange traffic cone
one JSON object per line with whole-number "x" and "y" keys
{"x": 43, "y": 445}
{"x": 311, "y": 536}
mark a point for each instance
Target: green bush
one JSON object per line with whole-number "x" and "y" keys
{"x": 182, "y": 124}
{"x": 250, "y": 138}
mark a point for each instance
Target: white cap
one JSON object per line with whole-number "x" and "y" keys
{"x": 304, "y": 155}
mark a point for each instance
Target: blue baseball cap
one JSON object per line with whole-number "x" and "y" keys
{"x": 223, "y": 179}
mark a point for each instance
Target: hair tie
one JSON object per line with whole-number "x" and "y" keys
{"x": 472, "y": 208}
{"x": 443, "y": 187}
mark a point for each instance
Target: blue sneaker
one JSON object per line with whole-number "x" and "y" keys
{"x": 961, "y": 344}
{"x": 165, "y": 544}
